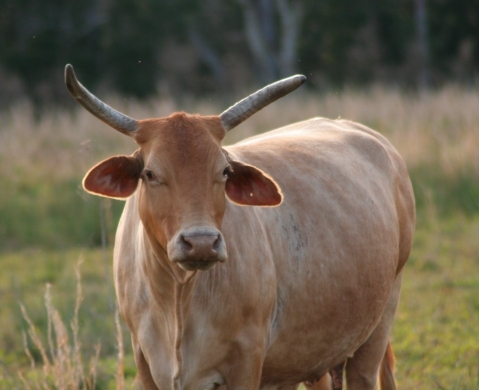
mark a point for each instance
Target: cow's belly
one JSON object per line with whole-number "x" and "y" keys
{"x": 331, "y": 294}
{"x": 309, "y": 347}
{"x": 325, "y": 319}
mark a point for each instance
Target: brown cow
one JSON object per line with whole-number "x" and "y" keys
{"x": 291, "y": 291}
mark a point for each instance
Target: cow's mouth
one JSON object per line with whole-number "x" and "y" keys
{"x": 193, "y": 265}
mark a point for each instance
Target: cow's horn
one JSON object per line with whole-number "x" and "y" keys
{"x": 242, "y": 110}
{"x": 102, "y": 111}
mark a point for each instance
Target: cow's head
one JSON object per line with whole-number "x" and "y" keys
{"x": 182, "y": 173}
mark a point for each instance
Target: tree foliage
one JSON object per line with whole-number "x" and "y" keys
{"x": 134, "y": 47}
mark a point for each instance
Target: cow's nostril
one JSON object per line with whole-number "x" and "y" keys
{"x": 217, "y": 243}
{"x": 186, "y": 243}
{"x": 204, "y": 245}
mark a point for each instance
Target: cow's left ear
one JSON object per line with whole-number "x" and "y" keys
{"x": 116, "y": 177}
{"x": 250, "y": 186}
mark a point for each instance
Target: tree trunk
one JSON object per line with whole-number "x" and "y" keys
{"x": 208, "y": 56}
{"x": 254, "y": 32}
{"x": 275, "y": 54}
{"x": 291, "y": 16}
{"x": 423, "y": 78}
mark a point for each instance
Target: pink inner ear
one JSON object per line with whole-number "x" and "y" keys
{"x": 249, "y": 186}
{"x": 115, "y": 177}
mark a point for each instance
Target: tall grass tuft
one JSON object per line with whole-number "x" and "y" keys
{"x": 120, "y": 367}
{"x": 62, "y": 362}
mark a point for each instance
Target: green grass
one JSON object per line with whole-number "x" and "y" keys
{"x": 435, "y": 333}
{"x": 59, "y": 214}
{"x": 24, "y": 278}
{"x": 449, "y": 194}
{"x": 434, "y": 336}
{"x": 55, "y": 214}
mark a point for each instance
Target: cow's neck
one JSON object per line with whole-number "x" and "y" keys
{"x": 172, "y": 290}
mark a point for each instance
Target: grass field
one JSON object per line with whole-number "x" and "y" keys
{"x": 47, "y": 224}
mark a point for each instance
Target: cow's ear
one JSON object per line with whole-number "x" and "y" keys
{"x": 116, "y": 177}
{"x": 249, "y": 186}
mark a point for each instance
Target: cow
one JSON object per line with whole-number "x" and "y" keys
{"x": 259, "y": 265}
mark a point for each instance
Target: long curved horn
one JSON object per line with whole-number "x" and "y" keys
{"x": 123, "y": 123}
{"x": 242, "y": 110}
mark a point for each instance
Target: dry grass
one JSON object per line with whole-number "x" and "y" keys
{"x": 62, "y": 360}
{"x": 62, "y": 355}
{"x": 440, "y": 128}
{"x": 120, "y": 368}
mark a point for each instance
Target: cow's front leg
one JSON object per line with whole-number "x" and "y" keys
{"x": 144, "y": 372}
{"x": 242, "y": 369}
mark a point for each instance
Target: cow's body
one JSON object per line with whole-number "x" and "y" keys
{"x": 225, "y": 281}
{"x": 307, "y": 284}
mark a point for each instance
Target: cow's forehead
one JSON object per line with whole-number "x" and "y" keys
{"x": 180, "y": 128}
{"x": 182, "y": 138}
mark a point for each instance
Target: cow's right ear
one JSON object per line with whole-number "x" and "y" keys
{"x": 116, "y": 177}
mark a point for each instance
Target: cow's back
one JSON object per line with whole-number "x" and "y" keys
{"x": 337, "y": 242}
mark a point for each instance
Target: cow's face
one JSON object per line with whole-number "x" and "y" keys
{"x": 182, "y": 174}
{"x": 183, "y": 177}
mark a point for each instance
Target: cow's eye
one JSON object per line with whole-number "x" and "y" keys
{"x": 227, "y": 171}
{"x": 149, "y": 175}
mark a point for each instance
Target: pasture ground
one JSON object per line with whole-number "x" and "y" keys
{"x": 47, "y": 224}
{"x": 434, "y": 336}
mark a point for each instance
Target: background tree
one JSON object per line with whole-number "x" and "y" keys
{"x": 210, "y": 46}
{"x": 422, "y": 43}
{"x": 272, "y": 29}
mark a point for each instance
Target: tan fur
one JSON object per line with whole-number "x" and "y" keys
{"x": 310, "y": 283}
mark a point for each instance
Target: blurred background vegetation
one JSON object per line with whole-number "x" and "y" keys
{"x": 407, "y": 68}
{"x": 148, "y": 47}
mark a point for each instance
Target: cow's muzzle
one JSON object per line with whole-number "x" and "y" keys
{"x": 197, "y": 248}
